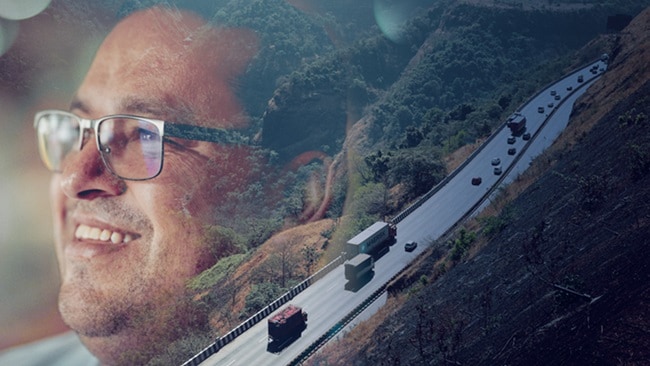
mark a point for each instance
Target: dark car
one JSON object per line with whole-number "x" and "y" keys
{"x": 512, "y": 151}
{"x": 526, "y": 136}
{"x": 511, "y": 140}
{"x": 476, "y": 181}
{"x": 497, "y": 170}
{"x": 410, "y": 246}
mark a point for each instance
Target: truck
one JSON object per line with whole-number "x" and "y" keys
{"x": 372, "y": 240}
{"x": 516, "y": 123}
{"x": 285, "y": 327}
{"x": 358, "y": 270}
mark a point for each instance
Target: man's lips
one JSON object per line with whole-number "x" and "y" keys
{"x": 86, "y": 232}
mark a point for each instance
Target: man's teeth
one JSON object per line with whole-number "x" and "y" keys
{"x": 93, "y": 233}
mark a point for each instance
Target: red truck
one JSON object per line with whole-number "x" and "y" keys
{"x": 285, "y": 327}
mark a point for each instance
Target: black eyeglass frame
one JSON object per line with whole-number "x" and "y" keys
{"x": 165, "y": 128}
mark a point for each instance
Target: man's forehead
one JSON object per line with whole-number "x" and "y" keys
{"x": 170, "y": 65}
{"x": 183, "y": 34}
{"x": 161, "y": 23}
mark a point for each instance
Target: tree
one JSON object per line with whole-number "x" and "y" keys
{"x": 280, "y": 267}
{"x": 418, "y": 169}
{"x": 261, "y": 294}
{"x": 378, "y": 164}
{"x": 309, "y": 256}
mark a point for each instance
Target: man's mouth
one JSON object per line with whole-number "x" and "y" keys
{"x": 85, "y": 232}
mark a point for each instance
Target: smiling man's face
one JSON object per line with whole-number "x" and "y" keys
{"x": 126, "y": 249}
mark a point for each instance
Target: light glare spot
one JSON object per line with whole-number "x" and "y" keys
{"x": 23, "y": 9}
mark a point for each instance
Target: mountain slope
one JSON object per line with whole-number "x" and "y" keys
{"x": 566, "y": 280}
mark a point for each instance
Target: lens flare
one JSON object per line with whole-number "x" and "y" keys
{"x": 392, "y": 15}
{"x": 18, "y": 10}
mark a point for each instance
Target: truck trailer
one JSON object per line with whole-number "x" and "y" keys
{"x": 285, "y": 327}
{"x": 359, "y": 267}
{"x": 372, "y": 240}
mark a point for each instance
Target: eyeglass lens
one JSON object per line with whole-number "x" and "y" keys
{"x": 131, "y": 148}
{"x": 57, "y": 136}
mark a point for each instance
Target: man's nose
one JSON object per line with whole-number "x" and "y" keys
{"x": 85, "y": 176}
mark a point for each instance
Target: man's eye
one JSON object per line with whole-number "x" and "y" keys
{"x": 146, "y": 135}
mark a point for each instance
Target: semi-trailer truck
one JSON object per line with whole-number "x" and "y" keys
{"x": 373, "y": 239}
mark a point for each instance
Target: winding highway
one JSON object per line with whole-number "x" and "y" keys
{"x": 327, "y": 301}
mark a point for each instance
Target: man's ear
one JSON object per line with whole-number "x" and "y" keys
{"x": 318, "y": 190}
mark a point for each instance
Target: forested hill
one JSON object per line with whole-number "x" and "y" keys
{"x": 453, "y": 74}
{"x": 557, "y": 276}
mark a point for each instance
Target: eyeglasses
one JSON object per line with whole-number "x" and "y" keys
{"x": 131, "y": 147}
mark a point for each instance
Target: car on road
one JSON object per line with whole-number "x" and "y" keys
{"x": 512, "y": 151}
{"x": 497, "y": 170}
{"x": 410, "y": 246}
{"x": 476, "y": 181}
{"x": 496, "y": 161}
{"x": 594, "y": 69}
{"x": 558, "y": 97}
{"x": 569, "y": 88}
{"x": 526, "y": 136}
{"x": 511, "y": 140}
{"x": 540, "y": 109}
{"x": 550, "y": 105}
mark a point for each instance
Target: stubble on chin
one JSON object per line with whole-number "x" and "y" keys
{"x": 87, "y": 311}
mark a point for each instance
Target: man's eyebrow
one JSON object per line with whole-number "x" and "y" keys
{"x": 78, "y": 105}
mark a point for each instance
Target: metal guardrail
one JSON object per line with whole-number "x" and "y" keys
{"x": 250, "y": 322}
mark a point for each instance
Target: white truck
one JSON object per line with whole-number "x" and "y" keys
{"x": 358, "y": 269}
{"x": 372, "y": 240}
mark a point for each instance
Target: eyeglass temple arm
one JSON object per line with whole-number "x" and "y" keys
{"x": 218, "y": 135}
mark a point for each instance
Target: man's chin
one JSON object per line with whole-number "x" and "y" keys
{"x": 90, "y": 318}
